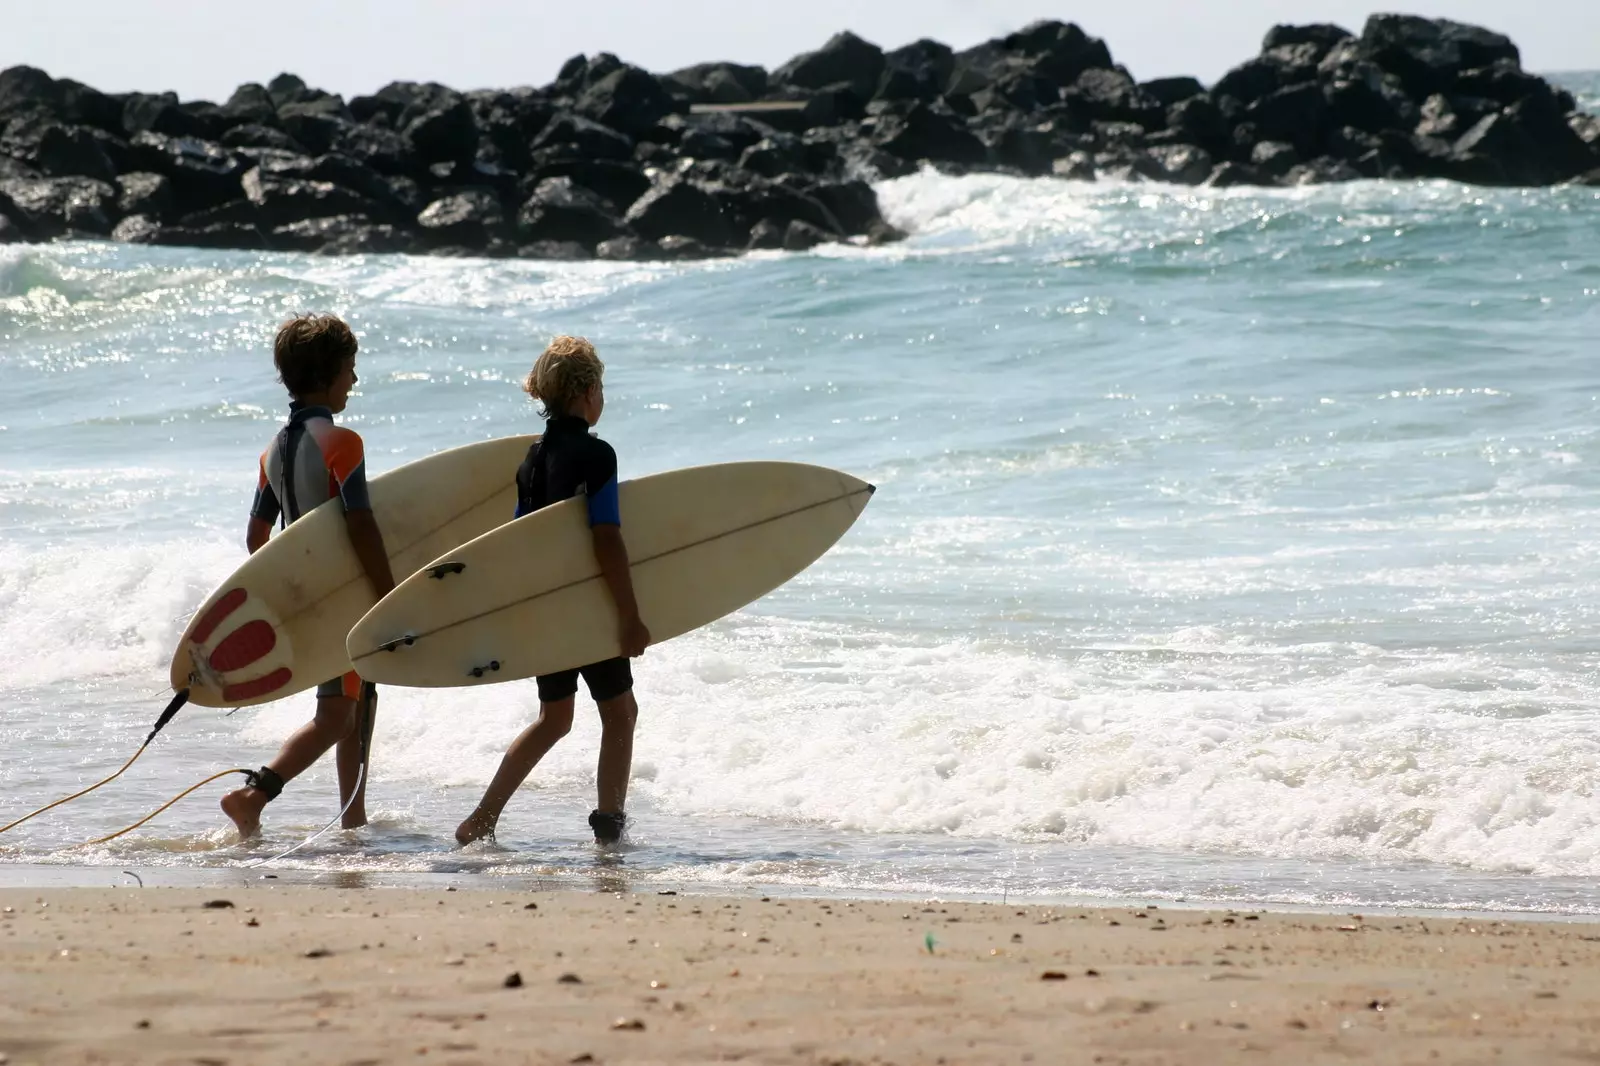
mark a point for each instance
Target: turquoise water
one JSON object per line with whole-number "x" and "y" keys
{"x": 1229, "y": 545}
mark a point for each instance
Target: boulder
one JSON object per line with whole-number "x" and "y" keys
{"x": 1533, "y": 143}
{"x": 1201, "y": 122}
{"x": 1182, "y": 164}
{"x": 136, "y": 229}
{"x": 560, "y": 210}
{"x": 251, "y": 104}
{"x": 1059, "y": 52}
{"x": 342, "y": 235}
{"x": 778, "y": 154}
{"x": 61, "y": 151}
{"x": 46, "y": 208}
{"x": 583, "y": 138}
{"x": 217, "y": 235}
{"x": 254, "y": 136}
{"x": 1298, "y": 114}
{"x": 628, "y": 249}
{"x": 202, "y": 174}
{"x": 1587, "y": 127}
{"x": 470, "y": 218}
{"x": 766, "y": 236}
{"x": 1112, "y": 95}
{"x": 1504, "y": 82}
{"x": 844, "y": 58}
{"x": 384, "y": 150}
{"x": 1230, "y": 174}
{"x": 628, "y": 100}
{"x": 700, "y": 144}
{"x": 146, "y": 194}
{"x": 1078, "y": 166}
{"x": 444, "y": 133}
{"x": 918, "y": 71}
{"x": 280, "y": 200}
{"x": 620, "y": 183}
{"x": 928, "y": 134}
{"x": 720, "y": 83}
{"x": 556, "y": 251}
{"x": 681, "y": 208}
{"x": 1322, "y": 171}
{"x": 1322, "y": 36}
{"x": 160, "y": 113}
{"x": 1275, "y": 157}
{"x": 1250, "y": 80}
{"x": 1170, "y": 91}
{"x": 1366, "y": 99}
{"x": 1429, "y": 54}
{"x": 803, "y": 236}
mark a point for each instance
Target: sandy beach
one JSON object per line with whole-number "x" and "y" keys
{"x": 305, "y": 974}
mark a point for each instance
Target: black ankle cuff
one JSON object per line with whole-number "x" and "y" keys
{"x": 266, "y": 780}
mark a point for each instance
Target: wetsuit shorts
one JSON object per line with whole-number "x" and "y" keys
{"x": 348, "y": 686}
{"x": 606, "y": 680}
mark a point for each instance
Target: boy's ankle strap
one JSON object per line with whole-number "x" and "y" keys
{"x": 267, "y": 780}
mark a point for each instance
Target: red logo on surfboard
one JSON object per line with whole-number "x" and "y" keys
{"x": 221, "y": 653}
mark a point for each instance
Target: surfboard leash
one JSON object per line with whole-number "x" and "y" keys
{"x": 172, "y": 708}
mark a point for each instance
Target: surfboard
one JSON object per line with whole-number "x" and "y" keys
{"x": 528, "y": 599}
{"x": 277, "y": 625}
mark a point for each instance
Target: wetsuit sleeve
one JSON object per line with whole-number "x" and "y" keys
{"x": 604, "y": 506}
{"x": 347, "y": 465}
{"x": 265, "y": 507}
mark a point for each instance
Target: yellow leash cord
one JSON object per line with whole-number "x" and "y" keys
{"x": 151, "y": 816}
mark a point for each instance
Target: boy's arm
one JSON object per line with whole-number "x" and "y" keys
{"x": 256, "y": 536}
{"x": 264, "y": 511}
{"x": 605, "y": 526}
{"x": 367, "y": 540}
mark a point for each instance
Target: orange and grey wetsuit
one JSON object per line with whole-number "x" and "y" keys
{"x": 309, "y": 462}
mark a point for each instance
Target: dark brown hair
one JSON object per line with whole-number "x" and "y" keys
{"x": 310, "y": 350}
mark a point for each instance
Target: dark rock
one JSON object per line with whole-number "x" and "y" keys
{"x": 220, "y": 236}
{"x": 1587, "y": 127}
{"x": 1170, "y": 91}
{"x": 1590, "y": 179}
{"x": 69, "y": 151}
{"x": 845, "y": 58}
{"x": 1201, "y": 122}
{"x": 10, "y": 232}
{"x": 777, "y": 202}
{"x": 202, "y": 174}
{"x": 253, "y": 136}
{"x": 560, "y": 210}
{"x": 700, "y": 144}
{"x": 286, "y": 89}
{"x": 620, "y": 183}
{"x": 1020, "y": 90}
{"x": 342, "y": 235}
{"x": 1029, "y": 148}
{"x": 1228, "y": 175}
{"x": 1322, "y": 35}
{"x": 628, "y": 249}
{"x": 251, "y": 104}
{"x": 52, "y": 207}
{"x": 146, "y": 194}
{"x": 1182, "y": 164}
{"x": 1532, "y": 141}
{"x": 1369, "y": 101}
{"x": 1250, "y": 80}
{"x": 1298, "y": 115}
{"x": 445, "y": 133}
{"x": 1350, "y": 144}
{"x": 771, "y": 156}
{"x": 558, "y": 251}
{"x": 1439, "y": 118}
{"x": 281, "y": 200}
{"x": 470, "y": 218}
{"x": 584, "y": 139}
{"x": 1059, "y": 51}
{"x": 161, "y": 114}
{"x": 802, "y": 236}
{"x": 384, "y": 150}
{"x": 629, "y": 100}
{"x": 136, "y": 229}
{"x": 1111, "y": 95}
{"x": 766, "y": 236}
{"x": 738, "y": 130}
{"x": 316, "y": 132}
{"x": 918, "y": 71}
{"x": 681, "y": 208}
{"x": 1322, "y": 171}
{"x": 687, "y": 248}
{"x": 1275, "y": 157}
{"x": 926, "y": 134}
{"x": 1079, "y": 166}
{"x": 721, "y": 83}
{"x": 1504, "y": 82}
{"x": 1428, "y": 54}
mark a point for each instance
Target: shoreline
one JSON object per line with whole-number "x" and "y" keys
{"x": 287, "y": 973}
{"x": 28, "y": 876}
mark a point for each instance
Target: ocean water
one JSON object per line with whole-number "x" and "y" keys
{"x": 1229, "y": 546}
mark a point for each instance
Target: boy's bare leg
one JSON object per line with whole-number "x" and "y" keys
{"x": 617, "y": 719}
{"x": 531, "y": 745}
{"x": 334, "y": 719}
{"x": 349, "y": 763}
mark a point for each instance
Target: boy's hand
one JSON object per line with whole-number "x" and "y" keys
{"x": 635, "y": 637}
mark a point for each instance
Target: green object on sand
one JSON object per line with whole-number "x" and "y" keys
{"x": 927, "y": 942}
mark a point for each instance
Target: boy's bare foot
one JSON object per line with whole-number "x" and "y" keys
{"x": 244, "y": 806}
{"x": 477, "y": 826}
{"x": 354, "y": 818}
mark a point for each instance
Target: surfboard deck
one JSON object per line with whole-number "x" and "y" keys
{"x": 277, "y": 625}
{"x": 528, "y": 599}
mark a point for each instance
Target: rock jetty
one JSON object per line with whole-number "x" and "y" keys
{"x": 610, "y": 161}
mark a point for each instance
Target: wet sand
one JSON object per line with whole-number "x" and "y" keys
{"x": 307, "y": 974}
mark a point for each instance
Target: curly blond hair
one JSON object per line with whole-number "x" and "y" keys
{"x": 564, "y": 371}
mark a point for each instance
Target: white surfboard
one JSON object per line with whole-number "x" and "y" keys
{"x": 277, "y": 626}
{"x": 528, "y": 599}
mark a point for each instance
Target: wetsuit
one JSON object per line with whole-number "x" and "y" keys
{"x": 309, "y": 463}
{"x": 568, "y": 462}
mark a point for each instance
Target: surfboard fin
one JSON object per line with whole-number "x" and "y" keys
{"x": 399, "y": 642}
{"x": 443, "y": 570}
{"x": 479, "y": 671}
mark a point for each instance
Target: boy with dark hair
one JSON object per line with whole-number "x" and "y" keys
{"x": 568, "y": 462}
{"x": 310, "y": 462}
